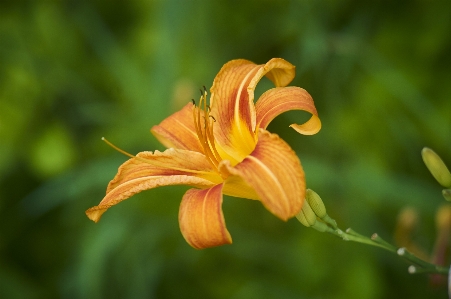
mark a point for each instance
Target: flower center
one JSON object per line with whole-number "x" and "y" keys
{"x": 203, "y": 122}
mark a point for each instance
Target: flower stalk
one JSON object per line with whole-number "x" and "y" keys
{"x": 330, "y": 226}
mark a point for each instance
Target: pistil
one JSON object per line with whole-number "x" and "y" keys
{"x": 153, "y": 162}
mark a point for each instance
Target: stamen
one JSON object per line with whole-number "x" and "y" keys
{"x": 194, "y": 102}
{"x": 153, "y": 163}
{"x": 212, "y": 142}
{"x": 205, "y": 139}
{"x": 205, "y": 131}
{"x": 200, "y": 135}
{"x": 118, "y": 149}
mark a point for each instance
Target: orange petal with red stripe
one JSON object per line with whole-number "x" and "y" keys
{"x": 232, "y": 103}
{"x": 150, "y": 170}
{"x": 178, "y": 130}
{"x": 275, "y": 173}
{"x": 201, "y": 219}
{"x": 279, "y": 100}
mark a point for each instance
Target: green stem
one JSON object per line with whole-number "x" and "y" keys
{"x": 425, "y": 266}
{"x": 418, "y": 270}
{"x": 376, "y": 240}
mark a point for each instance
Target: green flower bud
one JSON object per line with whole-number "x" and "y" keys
{"x": 437, "y": 167}
{"x": 447, "y": 194}
{"x": 318, "y": 207}
{"x": 321, "y": 226}
{"x": 306, "y": 216}
{"x": 315, "y": 203}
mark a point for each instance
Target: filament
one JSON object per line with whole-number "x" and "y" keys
{"x": 151, "y": 162}
{"x": 205, "y": 130}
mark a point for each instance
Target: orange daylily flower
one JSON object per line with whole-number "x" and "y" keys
{"x": 224, "y": 148}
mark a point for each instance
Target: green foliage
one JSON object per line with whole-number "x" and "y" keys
{"x": 74, "y": 71}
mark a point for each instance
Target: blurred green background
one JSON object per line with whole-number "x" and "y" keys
{"x": 74, "y": 71}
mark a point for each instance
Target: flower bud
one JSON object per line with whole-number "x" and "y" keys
{"x": 306, "y": 216}
{"x": 315, "y": 203}
{"x": 318, "y": 207}
{"x": 437, "y": 167}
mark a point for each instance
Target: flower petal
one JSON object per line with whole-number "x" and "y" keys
{"x": 126, "y": 190}
{"x": 167, "y": 163}
{"x": 279, "y": 71}
{"x": 237, "y": 187}
{"x": 278, "y": 100}
{"x": 150, "y": 170}
{"x": 275, "y": 173}
{"x": 178, "y": 130}
{"x": 232, "y": 103}
{"x": 201, "y": 219}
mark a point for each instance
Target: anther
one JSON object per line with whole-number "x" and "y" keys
{"x": 212, "y": 118}
{"x": 194, "y": 102}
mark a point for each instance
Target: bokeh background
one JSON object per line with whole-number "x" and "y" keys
{"x": 74, "y": 71}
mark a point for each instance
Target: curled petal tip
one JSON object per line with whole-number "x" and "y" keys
{"x": 95, "y": 213}
{"x": 279, "y": 71}
{"x": 311, "y": 127}
{"x": 279, "y": 100}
